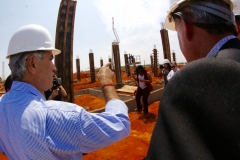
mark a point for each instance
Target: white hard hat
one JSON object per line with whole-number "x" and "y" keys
{"x": 31, "y": 37}
{"x": 166, "y": 61}
{"x": 202, "y": 5}
{"x": 236, "y": 7}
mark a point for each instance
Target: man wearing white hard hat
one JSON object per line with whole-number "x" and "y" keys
{"x": 33, "y": 128}
{"x": 199, "y": 114}
{"x": 165, "y": 72}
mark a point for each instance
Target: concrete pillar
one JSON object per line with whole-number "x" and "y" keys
{"x": 78, "y": 68}
{"x": 155, "y": 65}
{"x": 174, "y": 56}
{"x": 92, "y": 68}
{"x": 127, "y": 65}
{"x": 165, "y": 44}
{"x": 134, "y": 64}
{"x": 151, "y": 58}
{"x": 64, "y": 42}
{"x": 101, "y": 62}
{"x": 110, "y": 60}
{"x": 117, "y": 62}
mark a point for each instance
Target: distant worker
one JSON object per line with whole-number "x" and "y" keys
{"x": 167, "y": 69}
{"x": 173, "y": 71}
{"x": 160, "y": 75}
{"x": 161, "y": 71}
{"x": 34, "y": 128}
{"x": 144, "y": 81}
{"x": 131, "y": 58}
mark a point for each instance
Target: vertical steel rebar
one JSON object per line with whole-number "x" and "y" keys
{"x": 64, "y": 42}
{"x": 165, "y": 44}
{"x": 127, "y": 65}
{"x": 117, "y": 62}
{"x": 78, "y": 69}
{"x": 92, "y": 68}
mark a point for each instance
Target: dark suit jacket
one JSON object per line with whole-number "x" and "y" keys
{"x": 199, "y": 115}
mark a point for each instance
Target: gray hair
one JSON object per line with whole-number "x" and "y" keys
{"x": 17, "y": 63}
{"x": 200, "y": 16}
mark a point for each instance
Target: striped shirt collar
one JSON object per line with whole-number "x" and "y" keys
{"x": 219, "y": 45}
{"x": 27, "y": 88}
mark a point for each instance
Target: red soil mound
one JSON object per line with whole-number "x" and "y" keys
{"x": 135, "y": 146}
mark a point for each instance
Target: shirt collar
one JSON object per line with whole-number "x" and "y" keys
{"x": 219, "y": 45}
{"x": 26, "y": 87}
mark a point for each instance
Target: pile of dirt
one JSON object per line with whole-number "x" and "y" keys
{"x": 135, "y": 146}
{"x": 89, "y": 102}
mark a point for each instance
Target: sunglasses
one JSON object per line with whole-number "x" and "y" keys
{"x": 172, "y": 66}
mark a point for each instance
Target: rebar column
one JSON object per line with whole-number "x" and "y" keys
{"x": 155, "y": 65}
{"x": 101, "y": 62}
{"x": 92, "y": 68}
{"x": 110, "y": 60}
{"x": 117, "y": 62}
{"x": 64, "y": 42}
{"x": 174, "y": 56}
{"x": 78, "y": 68}
{"x": 151, "y": 58}
{"x": 134, "y": 64}
{"x": 165, "y": 43}
{"x": 127, "y": 65}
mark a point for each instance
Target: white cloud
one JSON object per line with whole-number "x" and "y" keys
{"x": 131, "y": 15}
{"x": 137, "y": 23}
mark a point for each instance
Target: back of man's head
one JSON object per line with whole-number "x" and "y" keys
{"x": 214, "y": 16}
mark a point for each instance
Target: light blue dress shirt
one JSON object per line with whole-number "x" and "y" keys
{"x": 33, "y": 128}
{"x": 219, "y": 45}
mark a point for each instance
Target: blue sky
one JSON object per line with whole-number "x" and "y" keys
{"x": 137, "y": 23}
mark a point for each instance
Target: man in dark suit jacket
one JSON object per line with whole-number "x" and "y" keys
{"x": 199, "y": 115}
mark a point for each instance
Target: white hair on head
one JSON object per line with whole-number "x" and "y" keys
{"x": 17, "y": 63}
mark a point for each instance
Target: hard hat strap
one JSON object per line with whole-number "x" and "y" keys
{"x": 201, "y": 25}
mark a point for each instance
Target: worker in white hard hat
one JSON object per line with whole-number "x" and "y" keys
{"x": 34, "y": 128}
{"x": 236, "y": 11}
{"x": 199, "y": 110}
{"x": 166, "y": 70}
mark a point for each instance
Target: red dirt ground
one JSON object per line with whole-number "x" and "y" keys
{"x": 134, "y": 147}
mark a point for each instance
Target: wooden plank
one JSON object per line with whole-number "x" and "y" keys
{"x": 127, "y": 89}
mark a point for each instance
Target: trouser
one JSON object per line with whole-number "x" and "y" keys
{"x": 144, "y": 93}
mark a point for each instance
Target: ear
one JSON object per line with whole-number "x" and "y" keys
{"x": 30, "y": 64}
{"x": 188, "y": 27}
